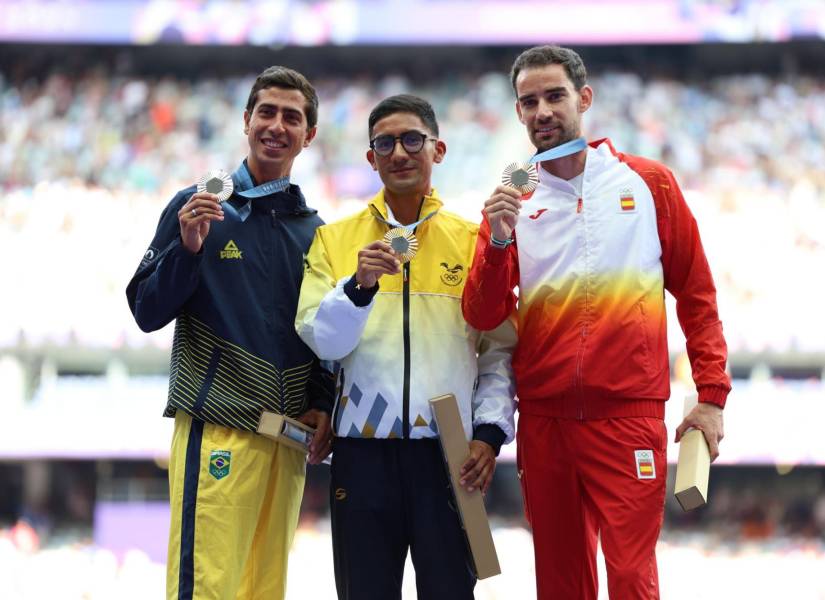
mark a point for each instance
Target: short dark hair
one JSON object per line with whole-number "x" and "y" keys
{"x": 404, "y": 103}
{"x": 288, "y": 79}
{"x": 541, "y": 56}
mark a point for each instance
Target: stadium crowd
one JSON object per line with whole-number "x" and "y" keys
{"x": 88, "y": 161}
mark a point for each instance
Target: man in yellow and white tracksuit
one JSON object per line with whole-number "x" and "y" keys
{"x": 399, "y": 344}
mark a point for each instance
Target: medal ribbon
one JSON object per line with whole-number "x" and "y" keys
{"x": 411, "y": 227}
{"x": 565, "y": 149}
{"x": 246, "y": 189}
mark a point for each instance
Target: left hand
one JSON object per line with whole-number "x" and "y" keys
{"x": 321, "y": 444}
{"x": 477, "y": 471}
{"x": 707, "y": 418}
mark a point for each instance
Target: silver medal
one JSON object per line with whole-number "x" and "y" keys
{"x": 216, "y": 182}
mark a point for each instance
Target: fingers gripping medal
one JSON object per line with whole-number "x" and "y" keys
{"x": 524, "y": 177}
{"x": 403, "y": 243}
{"x": 216, "y": 182}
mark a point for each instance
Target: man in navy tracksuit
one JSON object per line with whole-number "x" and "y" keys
{"x": 229, "y": 273}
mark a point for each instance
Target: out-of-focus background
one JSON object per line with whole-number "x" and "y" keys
{"x": 108, "y": 108}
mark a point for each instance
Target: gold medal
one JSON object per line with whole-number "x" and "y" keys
{"x": 403, "y": 243}
{"x": 216, "y": 182}
{"x": 522, "y": 176}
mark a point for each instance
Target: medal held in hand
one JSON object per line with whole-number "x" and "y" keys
{"x": 403, "y": 243}
{"x": 522, "y": 176}
{"x": 216, "y": 182}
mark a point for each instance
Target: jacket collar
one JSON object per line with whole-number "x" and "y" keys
{"x": 432, "y": 202}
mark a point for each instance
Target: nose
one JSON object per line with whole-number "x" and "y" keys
{"x": 544, "y": 111}
{"x": 399, "y": 153}
{"x": 277, "y": 124}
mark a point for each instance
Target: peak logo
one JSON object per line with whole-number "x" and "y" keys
{"x": 231, "y": 251}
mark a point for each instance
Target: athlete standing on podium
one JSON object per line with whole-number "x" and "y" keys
{"x": 229, "y": 273}
{"x": 592, "y": 251}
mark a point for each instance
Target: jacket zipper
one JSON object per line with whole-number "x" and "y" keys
{"x": 406, "y": 309}
{"x": 583, "y": 339}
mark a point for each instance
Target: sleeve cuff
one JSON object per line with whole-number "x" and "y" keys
{"x": 358, "y": 295}
{"x": 494, "y": 255}
{"x": 490, "y": 434}
{"x": 714, "y": 395}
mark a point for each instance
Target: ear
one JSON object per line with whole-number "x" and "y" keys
{"x": 371, "y": 159}
{"x": 246, "y": 116}
{"x": 585, "y": 98}
{"x": 440, "y": 151}
{"x": 310, "y": 136}
{"x": 518, "y": 112}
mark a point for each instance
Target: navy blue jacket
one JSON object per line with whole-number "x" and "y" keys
{"x": 235, "y": 350}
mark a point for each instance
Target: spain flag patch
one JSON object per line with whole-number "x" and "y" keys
{"x": 626, "y": 200}
{"x": 645, "y": 466}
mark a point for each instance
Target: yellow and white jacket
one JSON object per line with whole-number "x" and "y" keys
{"x": 411, "y": 342}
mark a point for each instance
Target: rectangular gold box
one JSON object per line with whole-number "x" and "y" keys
{"x": 472, "y": 512}
{"x": 286, "y": 431}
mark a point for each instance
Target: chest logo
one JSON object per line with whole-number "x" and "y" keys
{"x": 538, "y": 213}
{"x": 452, "y": 276}
{"x": 626, "y": 200}
{"x": 231, "y": 251}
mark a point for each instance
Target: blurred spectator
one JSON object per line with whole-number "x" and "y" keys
{"x": 82, "y": 161}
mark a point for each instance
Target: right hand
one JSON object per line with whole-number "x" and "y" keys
{"x": 195, "y": 217}
{"x": 502, "y": 209}
{"x": 374, "y": 260}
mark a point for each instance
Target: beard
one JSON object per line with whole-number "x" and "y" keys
{"x": 565, "y": 135}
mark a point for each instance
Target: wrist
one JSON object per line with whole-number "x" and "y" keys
{"x": 501, "y": 243}
{"x": 359, "y": 295}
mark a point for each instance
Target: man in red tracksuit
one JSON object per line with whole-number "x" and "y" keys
{"x": 592, "y": 251}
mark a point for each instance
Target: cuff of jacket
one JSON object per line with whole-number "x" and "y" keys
{"x": 359, "y": 296}
{"x": 490, "y": 434}
{"x": 714, "y": 395}
{"x": 495, "y": 255}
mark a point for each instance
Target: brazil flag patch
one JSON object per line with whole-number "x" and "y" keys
{"x": 219, "y": 463}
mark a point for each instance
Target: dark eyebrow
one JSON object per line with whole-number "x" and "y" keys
{"x": 286, "y": 109}
{"x": 554, "y": 90}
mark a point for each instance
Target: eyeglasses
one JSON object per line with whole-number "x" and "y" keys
{"x": 412, "y": 141}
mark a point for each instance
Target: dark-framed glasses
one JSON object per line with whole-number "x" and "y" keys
{"x": 412, "y": 141}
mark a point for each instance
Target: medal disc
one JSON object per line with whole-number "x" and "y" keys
{"x": 402, "y": 242}
{"x": 216, "y": 182}
{"x": 524, "y": 177}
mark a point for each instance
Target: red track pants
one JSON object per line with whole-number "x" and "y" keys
{"x": 585, "y": 479}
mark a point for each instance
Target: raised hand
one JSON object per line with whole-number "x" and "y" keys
{"x": 195, "y": 217}
{"x": 502, "y": 209}
{"x": 375, "y": 260}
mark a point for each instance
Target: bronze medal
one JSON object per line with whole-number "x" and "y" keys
{"x": 522, "y": 176}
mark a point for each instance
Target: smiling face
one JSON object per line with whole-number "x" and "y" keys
{"x": 549, "y": 106}
{"x": 402, "y": 173}
{"x": 277, "y": 132}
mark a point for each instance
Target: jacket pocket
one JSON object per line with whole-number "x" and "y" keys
{"x": 644, "y": 336}
{"x": 522, "y": 477}
{"x": 211, "y": 369}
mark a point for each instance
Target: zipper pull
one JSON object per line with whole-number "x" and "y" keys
{"x": 579, "y": 206}
{"x": 274, "y": 216}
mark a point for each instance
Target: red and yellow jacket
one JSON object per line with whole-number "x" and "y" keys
{"x": 591, "y": 270}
